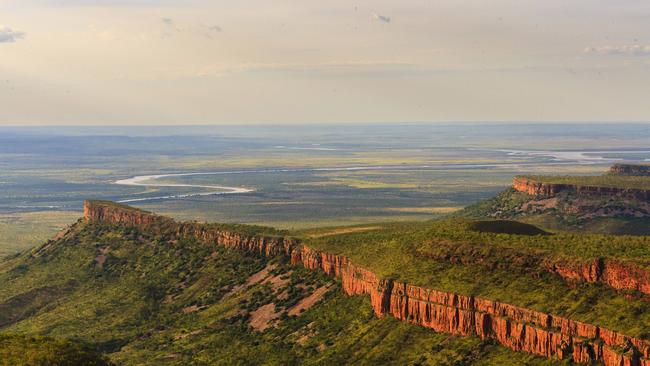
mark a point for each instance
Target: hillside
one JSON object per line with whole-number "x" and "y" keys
{"x": 146, "y": 289}
{"x": 617, "y": 202}
{"x": 31, "y": 351}
{"x": 147, "y": 294}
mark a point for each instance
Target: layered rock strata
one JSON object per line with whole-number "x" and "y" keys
{"x": 532, "y": 187}
{"x": 517, "y": 328}
{"x": 630, "y": 169}
{"x": 617, "y": 274}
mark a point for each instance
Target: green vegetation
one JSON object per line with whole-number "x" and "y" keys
{"x": 611, "y": 181}
{"x": 572, "y": 245}
{"x": 432, "y": 255}
{"x": 18, "y": 350}
{"x": 155, "y": 299}
{"x": 505, "y": 227}
{"x": 566, "y": 211}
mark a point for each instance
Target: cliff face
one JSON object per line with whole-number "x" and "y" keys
{"x": 630, "y": 169}
{"x": 526, "y": 185}
{"x": 517, "y": 328}
{"x": 617, "y": 274}
{"x": 114, "y": 213}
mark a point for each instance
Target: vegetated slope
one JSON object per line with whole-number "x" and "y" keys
{"x": 617, "y": 202}
{"x": 559, "y": 301}
{"x": 36, "y": 351}
{"x": 154, "y": 297}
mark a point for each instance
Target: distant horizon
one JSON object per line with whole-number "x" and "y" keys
{"x": 310, "y": 124}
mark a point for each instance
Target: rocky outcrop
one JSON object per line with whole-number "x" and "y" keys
{"x": 618, "y": 274}
{"x": 630, "y": 169}
{"x": 100, "y": 211}
{"x": 517, "y": 328}
{"x": 526, "y": 185}
{"x": 116, "y": 213}
{"x": 532, "y": 187}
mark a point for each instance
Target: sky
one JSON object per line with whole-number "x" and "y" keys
{"x": 98, "y": 62}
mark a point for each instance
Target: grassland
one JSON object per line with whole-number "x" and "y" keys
{"x": 20, "y": 231}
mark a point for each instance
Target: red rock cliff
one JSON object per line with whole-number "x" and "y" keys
{"x": 618, "y": 274}
{"x": 630, "y": 169}
{"x": 517, "y": 328}
{"x": 532, "y": 187}
{"x": 101, "y": 211}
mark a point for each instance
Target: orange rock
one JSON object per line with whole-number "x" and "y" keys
{"x": 517, "y": 328}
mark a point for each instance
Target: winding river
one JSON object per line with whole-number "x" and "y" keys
{"x": 149, "y": 181}
{"x": 558, "y": 158}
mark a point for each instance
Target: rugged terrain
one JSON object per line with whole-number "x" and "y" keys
{"x": 143, "y": 289}
{"x": 617, "y": 202}
{"x": 146, "y": 289}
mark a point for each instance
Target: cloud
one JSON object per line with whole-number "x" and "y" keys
{"x": 379, "y": 18}
{"x": 8, "y": 35}
{"x": 633, "y": 50}
{"x": 170, "y": 27}
{"x": 211, "y": 30}
{"x": 353, "y": 66}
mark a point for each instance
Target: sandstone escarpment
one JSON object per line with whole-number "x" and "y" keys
{"x": 517, "y": 328}
{"x": 619, "y": 275}
{"x": 116, "y": 213}
{"x": 532, "y": 187}
{"x": 630, "y": 169}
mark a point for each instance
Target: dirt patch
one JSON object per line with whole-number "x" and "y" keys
{"x": 261, "y": 318}
{"x": 544, "y": 204}
{"x": 253, "y": 279}
{"x": 61, "y": 233}
{"x": 305, "y": 334}
{"x": 349, "y": 230}
{"x": 309, "y": 301}
{"x": 279, "y": 281}
{"x": 101, "y": 258}
{"x": 191, "y": 309}
{"x": 259, "y": 276}
{"x": 185, "y": 335}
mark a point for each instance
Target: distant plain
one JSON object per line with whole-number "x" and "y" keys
{"x": 378, "y": 173}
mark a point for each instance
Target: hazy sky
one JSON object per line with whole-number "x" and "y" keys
{"x": 304, "y": 61}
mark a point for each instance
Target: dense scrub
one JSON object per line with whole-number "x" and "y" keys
{"x": 16, "y": 350}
